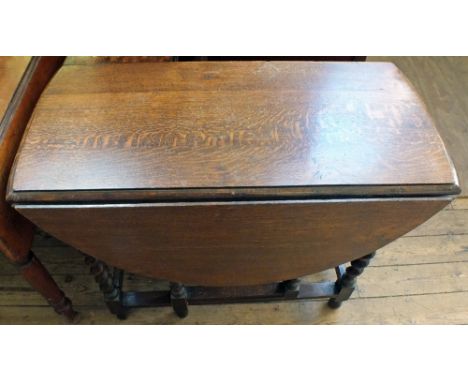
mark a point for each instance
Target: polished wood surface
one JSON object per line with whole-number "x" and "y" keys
{"x": 120, "y": 132}
{"x": 225, "y": 243}
{"x": 93, "y": 60}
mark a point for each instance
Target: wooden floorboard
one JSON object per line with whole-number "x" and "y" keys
{"x": 460, "y": 204}
{"x": 446, "y": 222}
{"x": 421, "y": 278}
{"x": 442, "y": 308}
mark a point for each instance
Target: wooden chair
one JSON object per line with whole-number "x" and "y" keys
{"x": 16, "y": 233}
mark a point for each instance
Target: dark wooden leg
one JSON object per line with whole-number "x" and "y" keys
{"x": 179, "y": 299}
{"x": 291, "y": 288}
{"x": 346, "y": 284}
{"x": 110, "y": 285}
{"x": 35, "y": 274}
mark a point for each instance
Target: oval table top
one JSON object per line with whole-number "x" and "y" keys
{"x": 229, "y": 130}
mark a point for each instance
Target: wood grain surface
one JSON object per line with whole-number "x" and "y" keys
{"x": 225, "y": 243}
{"x": 242, "y": 126}
{"x": 94, "y": 60}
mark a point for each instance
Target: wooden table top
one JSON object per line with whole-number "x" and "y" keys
{"x": 202, "y": 130}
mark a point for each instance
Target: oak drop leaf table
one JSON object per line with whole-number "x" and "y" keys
{"x": 231, "y": 180}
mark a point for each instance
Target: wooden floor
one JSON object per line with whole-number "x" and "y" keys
{"x": 420, "y": 278}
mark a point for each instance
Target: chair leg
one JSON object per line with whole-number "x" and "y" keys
{"x": 347, "y": 283}
{"x": 39, "y": 278}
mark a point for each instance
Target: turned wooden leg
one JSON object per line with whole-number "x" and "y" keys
{"x": 179, "y": 299}
{"x": 347, "y": 283}
{"x": 291, "y": 288}
{"x": 110, "y": 285}
{"x": 35, "y": 274}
